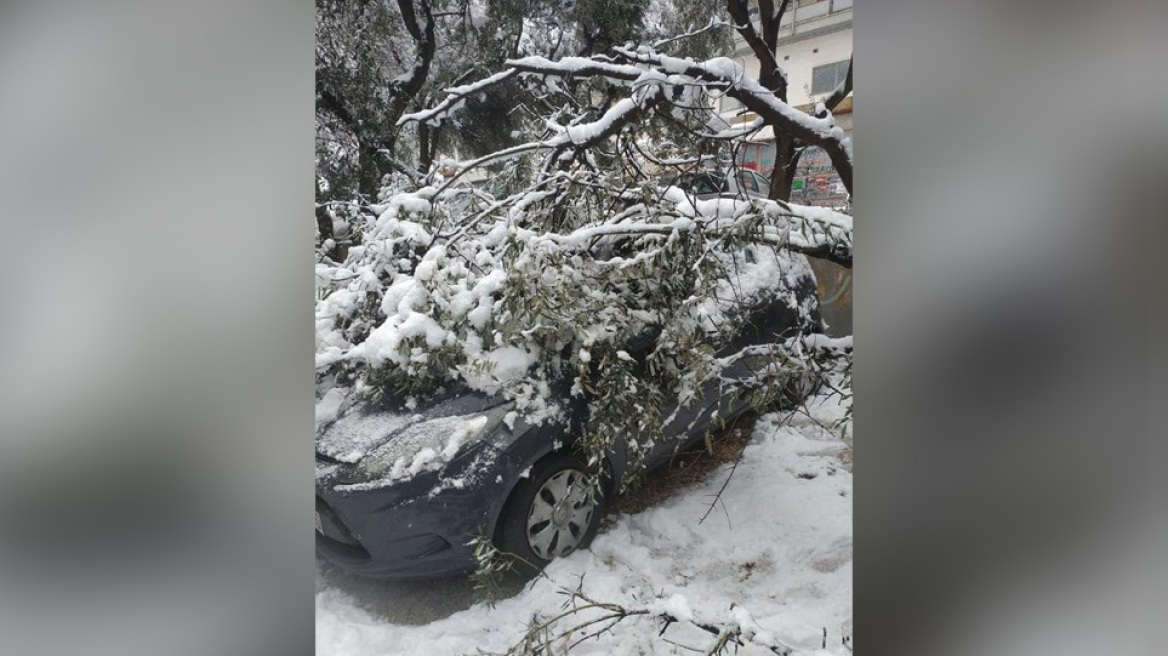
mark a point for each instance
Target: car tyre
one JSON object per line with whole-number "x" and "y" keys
{"x": 548, "y": 514}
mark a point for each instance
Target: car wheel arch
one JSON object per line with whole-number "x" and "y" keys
{"x": 609, "y": 481}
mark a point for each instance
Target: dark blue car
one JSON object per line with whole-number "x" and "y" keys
{"x": 402, "y": 492}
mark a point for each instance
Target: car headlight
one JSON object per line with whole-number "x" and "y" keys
{"x": 429, "y": 445}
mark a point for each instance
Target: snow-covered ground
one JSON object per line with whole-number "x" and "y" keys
{"x": 779, "y": 544}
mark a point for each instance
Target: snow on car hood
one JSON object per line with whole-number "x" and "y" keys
{"x": 362, "y": 430}
{"x": 355, "y": 435}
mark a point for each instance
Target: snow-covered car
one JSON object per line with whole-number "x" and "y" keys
{"x": 405, "y": 486}
{"x": 739, "y": 183}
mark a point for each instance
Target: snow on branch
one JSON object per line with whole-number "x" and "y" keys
{"x": 454, "y": 96}
{"x": 577, "y": 137}
{"x": 729, "y": 75}
{"x": 722, "y": 73}
{"x": 584, "y": 618}
{"x": 813, "y": 230}
{"x": 589, "y": 134}
{"x": 762, "y": 46}
{"x": 577, "y": 66}
{"x": 712, "y": 25}
{"x": 838, "y": 94}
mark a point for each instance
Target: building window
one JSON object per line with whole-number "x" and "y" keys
{"x": 824, "y": 79}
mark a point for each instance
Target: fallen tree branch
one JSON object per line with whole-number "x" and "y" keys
{"x": 544, "y": 636}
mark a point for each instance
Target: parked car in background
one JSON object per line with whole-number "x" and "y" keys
{"x": 738, "y": 183}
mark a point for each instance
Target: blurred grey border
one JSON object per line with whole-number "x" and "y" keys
{"x": 155, "y": 391}
{"x": 156, "y": 394}
{"x": 1010, "y": 174}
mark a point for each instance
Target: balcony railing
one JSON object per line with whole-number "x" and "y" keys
{"x": 800, "y": 13}
{"x": 799, "y": 19}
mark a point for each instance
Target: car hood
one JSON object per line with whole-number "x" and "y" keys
{"x": 366, "y": 427}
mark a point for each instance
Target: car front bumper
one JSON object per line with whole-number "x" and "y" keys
{"x": 419, "y": 528}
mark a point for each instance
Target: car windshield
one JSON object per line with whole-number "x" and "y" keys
{"x": 701, "y": 183}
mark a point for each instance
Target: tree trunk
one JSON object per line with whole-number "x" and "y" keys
{"x": 369, "y": 180}
{"x": 427, "y": 146}
{"x": 374, "y": 166}
{"x": 784, "y": 173}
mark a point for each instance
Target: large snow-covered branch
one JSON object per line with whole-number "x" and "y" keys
{"x": 577, "y": 241}
{"x": 809, "y": 230}
{"x": 456, "y": 95}
{"x": 712, "y": 25}
{"x": 722, "y": 73}
{"x": 762, "y": 46}
{"x": 822, "y": 132}
{"x": 577, "y": 66}
{"x": 819, "y": 232}
{"x": 840, "y": 92}
{"x": 405, "y": 87}
{"x": 577, "y": 137}
{"x": 619, "y": 115}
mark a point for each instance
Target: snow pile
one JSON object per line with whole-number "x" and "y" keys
{"x": 774, "y": 560}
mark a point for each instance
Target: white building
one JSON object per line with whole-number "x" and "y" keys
{"x": 814, "y": 46}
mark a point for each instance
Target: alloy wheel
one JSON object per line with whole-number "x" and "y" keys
{"x": 560, "y": 515}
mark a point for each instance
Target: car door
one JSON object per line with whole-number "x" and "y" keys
{"x": 745, "y": 184}
{"x": 764, "y": 320}
{"x": 764, "y": 186}
{"x": 702, "y": 185}
{"x": 683, "y": 424}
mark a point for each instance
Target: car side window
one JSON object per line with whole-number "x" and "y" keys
{"x": 708, "y": 184}
{"x": 746, "y": 182}
{"x": 699, "y": 184}
{"x": 763, "y": 185}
